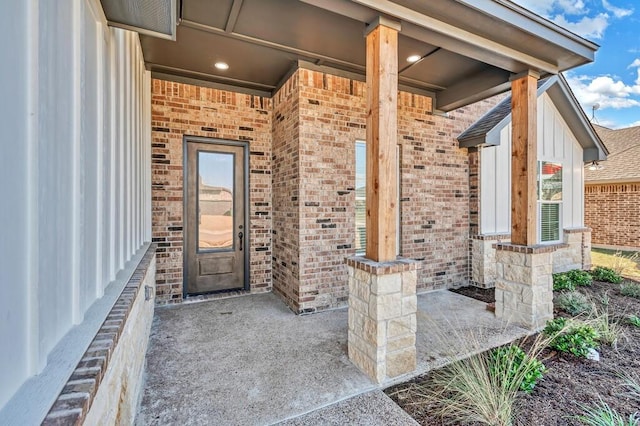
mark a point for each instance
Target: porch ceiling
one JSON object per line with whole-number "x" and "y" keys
{"x": 470, "y": 48}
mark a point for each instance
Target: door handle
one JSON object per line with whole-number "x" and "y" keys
{"x": 240, "y": 235}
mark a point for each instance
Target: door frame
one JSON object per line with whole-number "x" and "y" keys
{"x": 185, "y": 199}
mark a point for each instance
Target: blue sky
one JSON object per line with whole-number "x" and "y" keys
{"x": 613, "y": 80}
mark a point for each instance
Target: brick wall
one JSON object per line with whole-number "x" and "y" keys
{"x": 332, "y": 118}
{"x": 286, "y": 193}
{"x": 434, "y": 188}
{"x": 612, "y": 211}
{"x": 303, "y": 143}
{"x": 181, "y": 109}
{"x": 474, "y": 191}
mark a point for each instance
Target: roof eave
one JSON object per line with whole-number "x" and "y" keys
{"x": 570, "y": 109}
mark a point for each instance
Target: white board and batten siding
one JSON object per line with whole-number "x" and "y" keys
{"x": 556, "y": 143}
{"x": 75, "y": 167}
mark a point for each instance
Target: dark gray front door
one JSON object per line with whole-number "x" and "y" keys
{"x": 215, "y": 216}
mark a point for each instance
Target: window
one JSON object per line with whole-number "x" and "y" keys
{"x": 549, "y": 201}
{"x": 361, "y": 198}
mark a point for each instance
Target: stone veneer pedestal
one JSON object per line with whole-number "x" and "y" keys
{"x": 382, "y": 316}
{"x": 524, "y": 283}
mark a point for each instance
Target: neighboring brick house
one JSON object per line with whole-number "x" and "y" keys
{"x": 612, "y": 191}
{"x": 566, "y": 142}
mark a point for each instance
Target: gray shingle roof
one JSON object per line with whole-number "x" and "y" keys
{"x": 623, "y": 161}
{"x": 491, "y": 119}
{"x": 486, "y": 131}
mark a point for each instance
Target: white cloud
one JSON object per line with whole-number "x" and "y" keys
{"x": 591, "y": 23}
{"x": 634, "y": 124}
{"x": 572, "y": 7}
{"x": 585, "y": 27}
{"x": 609, "y": 124}
{"x": 636, "y": 64}
{"x": 541, "y": 7}
{"x": 618, "y": 12}
{"x": 605, "y": 91}
{"x": 547, "y": 7}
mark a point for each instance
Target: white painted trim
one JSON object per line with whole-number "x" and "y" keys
{"x": 466, "y": 43}
{"x": 121, "y": 184}
{"x": 100, "y": 140}
{"x": 147, "y": 159}
{"x": 76, "y": 187}
{"x": 113, "y": 78}
{"x": 98, "y": 12}
{"x": 35, "y": 362}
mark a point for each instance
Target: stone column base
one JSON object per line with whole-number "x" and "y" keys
{"x": 524, "y": 284}
{"x": 382, "y": 316}
{"x": 483, "y": 259}
{"x": 576, "y": 254}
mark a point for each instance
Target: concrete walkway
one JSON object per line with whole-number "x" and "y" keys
{"x": 250, "y": 361}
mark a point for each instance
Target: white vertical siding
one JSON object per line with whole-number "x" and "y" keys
{"x": 555, "y": 143}
{"x": 495, "y": 186}
{"x": 19, "y": 235}
{"x": 77, "y": 155}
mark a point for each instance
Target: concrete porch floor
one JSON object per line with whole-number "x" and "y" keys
{"x": 250, "y": 361}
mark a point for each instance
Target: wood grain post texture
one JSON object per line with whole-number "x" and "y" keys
{"x": 382, "y": 134}
{"x": 523, "y": 160}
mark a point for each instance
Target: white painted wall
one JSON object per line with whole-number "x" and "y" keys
{"x": 75, "y": 167}
{"x": 555, "y": 143}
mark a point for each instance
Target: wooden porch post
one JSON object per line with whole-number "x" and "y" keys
{"x": 524, "y": 165}
{"x": 382, "y": 134}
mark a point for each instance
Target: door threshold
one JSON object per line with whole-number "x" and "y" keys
{"x": 215, "y": 296}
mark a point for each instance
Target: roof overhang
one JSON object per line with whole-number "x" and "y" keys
{"x": 570, "y": 109}
{"x": 568, "y": 106}
{"x": 469, "y": 48}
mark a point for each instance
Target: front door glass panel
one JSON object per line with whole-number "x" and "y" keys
{"x": 215, "y": 201}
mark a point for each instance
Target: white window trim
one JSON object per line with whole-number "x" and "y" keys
{"x": 541, "y": 202}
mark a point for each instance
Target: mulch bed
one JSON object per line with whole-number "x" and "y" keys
{"x": 487, "y": 295}
{"x": 569, "y": 382}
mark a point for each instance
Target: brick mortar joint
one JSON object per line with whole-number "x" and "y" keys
{"x": 80, "y": 410}
{"x": 535, "y": 249}
{"x": 383, "y": 268}
{"x": 491, "y": 237}
{"x": 577, "y": 230}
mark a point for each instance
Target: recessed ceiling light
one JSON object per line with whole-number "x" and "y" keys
{"x": 221, "y": 66}
{"x": 414, "y": 58}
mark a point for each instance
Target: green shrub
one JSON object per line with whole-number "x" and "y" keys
{"x": 571, "y": 337}
{"x": 632, "y": 384}
{"x": 601, "y": 414}
{"x": 609, "y": 330}
{"x": 512, "y": 364}
{"x": 634, "y": 320}
{"x": 483, "y": 388}
{"x": 562, "y": 282}
{"x": 631, "y": 290}
{"x": 601, "y": 273}
{"x": 579, "y": 277}
{"x": 573, "y": 303}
